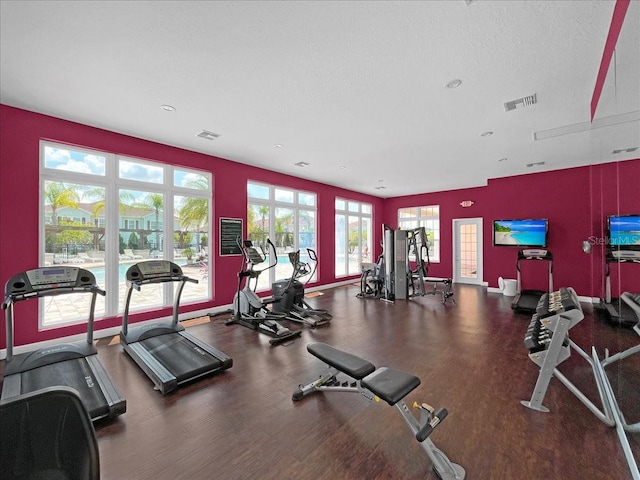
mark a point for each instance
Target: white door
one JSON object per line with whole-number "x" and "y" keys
{"x": 467, "y": 251}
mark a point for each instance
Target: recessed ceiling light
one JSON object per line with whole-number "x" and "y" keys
{"x": 342, "y": 167}
{"x": 168, "y": 108}
{"x": 455, "y": 83}
{"x": 486, "y": 134}
{"x": 278, "y": 145}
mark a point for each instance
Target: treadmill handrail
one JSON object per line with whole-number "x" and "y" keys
{"x": 50, "y": 292}
{"x": 174, "y": 278}
{"x": 137, "y": 284}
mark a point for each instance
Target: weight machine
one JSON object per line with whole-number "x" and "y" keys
{"x": 393, "y": 278}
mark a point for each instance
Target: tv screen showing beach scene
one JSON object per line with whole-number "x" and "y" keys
{"x": 531, "y": 233}
{"x": 624, "y": 231}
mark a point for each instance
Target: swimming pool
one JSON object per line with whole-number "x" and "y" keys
{"x": 98, "y": 270}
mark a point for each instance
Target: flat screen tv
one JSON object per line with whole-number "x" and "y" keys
{"x": 529, "y": 233}
{"x": 623, "y": 232}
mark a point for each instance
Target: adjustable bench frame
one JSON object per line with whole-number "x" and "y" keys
{"x": 389, "y": 385}
{"x": 446, "y": 289}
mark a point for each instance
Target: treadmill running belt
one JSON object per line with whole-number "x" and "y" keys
{"x": 71, "y": 373}
{"x": 181, "y": 357}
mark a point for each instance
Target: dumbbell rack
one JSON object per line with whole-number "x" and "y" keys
{"x": 548, "y": 341}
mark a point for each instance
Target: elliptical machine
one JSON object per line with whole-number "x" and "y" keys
{"x": 288, "y": 294}
{"x": 250, "y": 310}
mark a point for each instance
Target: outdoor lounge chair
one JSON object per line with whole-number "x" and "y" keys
{"x": 129, "y": 253}
{"x": 87, "y": 259}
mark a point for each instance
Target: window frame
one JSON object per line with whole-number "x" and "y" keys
{"x": 360, "y": 210}
{"x": 110, "y": 220}
{"x": 273, "y": 203}
{"x": 422, "y": 221}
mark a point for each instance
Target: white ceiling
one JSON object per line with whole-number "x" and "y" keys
{"x": 354, "y": 88}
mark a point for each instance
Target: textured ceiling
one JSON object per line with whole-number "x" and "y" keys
{"x": 355, "y": 89}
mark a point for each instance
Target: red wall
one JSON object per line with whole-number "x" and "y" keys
{"x": 576, "y": 201}
{"x": 19, "y": 196}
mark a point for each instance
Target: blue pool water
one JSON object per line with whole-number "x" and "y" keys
{"x": 122, "y": 270}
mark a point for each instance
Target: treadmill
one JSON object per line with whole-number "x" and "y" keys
{"x": 75, "y": 365}
{"x": 618, "y": 311}
{"x": 527, "y": 300}
{"x": 163, "y": 349}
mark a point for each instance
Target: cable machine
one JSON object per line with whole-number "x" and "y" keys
{"x": 392, "y": 277}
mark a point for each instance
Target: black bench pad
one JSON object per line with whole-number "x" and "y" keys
{"x": 353, "y": 366}
{"x": 390, "y": 385}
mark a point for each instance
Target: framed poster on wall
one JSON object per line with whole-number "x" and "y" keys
{"x": 230, "y": 230}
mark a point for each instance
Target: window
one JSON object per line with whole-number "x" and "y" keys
{"x": 103, "y": 212}
{"x": 353, "y": 236}
{"x": 427, "y": 217}
{"x": 287, "y": 218}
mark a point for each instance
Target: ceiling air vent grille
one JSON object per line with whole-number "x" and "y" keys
{"x": 626, "y": 150}
{"x": 521, "y": 102}
{"x": 208, "y": 135}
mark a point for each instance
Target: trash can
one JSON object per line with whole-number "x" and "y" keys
{"x": 508, "y": 286}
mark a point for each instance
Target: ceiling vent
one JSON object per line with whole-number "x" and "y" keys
{"x": 301, "y": 164}
{"x": 625, "y": 150}
{"x": 535, "y": 164}
{"x": 208, "y": 135}
{"x": 521, "y": 102}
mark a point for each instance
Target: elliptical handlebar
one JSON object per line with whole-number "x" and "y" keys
{"x": 253, "y": 256}
{"x": 314, "y": 258}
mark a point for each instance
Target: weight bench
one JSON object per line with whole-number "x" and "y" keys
{"x": 446, "y": 290}
{"x": 387, "y": 384}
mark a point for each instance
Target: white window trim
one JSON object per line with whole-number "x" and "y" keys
{"x": 360, "y": 215}
{"x": 272, "y": 203}
{"x": 111, "y": 182}
{"x": 420, "y": 223}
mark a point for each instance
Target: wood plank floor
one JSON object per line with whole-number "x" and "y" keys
{"x": 242, "y": 423}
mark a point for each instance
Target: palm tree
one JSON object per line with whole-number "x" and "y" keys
{"x": 195, "y": 210}
{"x": 126, "y": 199}
{"x": 60, "y": 195}
{"x": 264, "y": 211}
{"x": 98, "y": 195}
{"x": 156, "y": 202}
{"x": 194, "y": 214}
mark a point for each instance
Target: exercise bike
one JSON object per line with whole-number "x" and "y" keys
{"x": 288, "y": 294}
{"x": 250, "y": 310}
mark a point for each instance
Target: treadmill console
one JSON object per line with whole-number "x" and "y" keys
{"x": 153, "y": 270}
{"x": 41, "y": 281}
{"x": 535, "y": 253}
{"x": 625, "y": 255}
